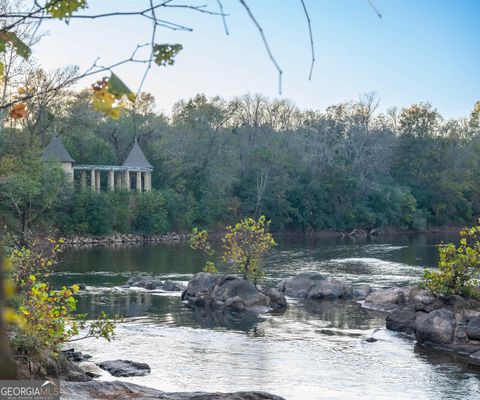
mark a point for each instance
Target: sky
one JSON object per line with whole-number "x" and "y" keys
{"x": 419, "y": 51}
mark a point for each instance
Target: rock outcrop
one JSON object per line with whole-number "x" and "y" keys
{"x": 124, "y": 390}
{"x": 449, "y": 323}
{"x": 125, "y": 368}
{"x": 312, "y": 285}
{"x": 149, "y": 283}
{"x": 122, "y": 239}
{"x": 231, "y": 294}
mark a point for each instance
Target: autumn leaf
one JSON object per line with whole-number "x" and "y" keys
{"x": 64, "y": 8}
{"x": 18, "y": 111}
{"x": 119, "y": 89}
{"x": 109, "y": 94}
{"x": 11, "y": 38}
{"x": 165, "y": 53}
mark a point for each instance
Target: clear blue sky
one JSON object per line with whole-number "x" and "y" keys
{"x": 421, "y": 50}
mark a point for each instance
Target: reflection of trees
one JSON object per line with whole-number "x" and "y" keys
{"x": 128, "y": 304}
{"x": 335, "y": 314}
{"x": 151, "y": 258}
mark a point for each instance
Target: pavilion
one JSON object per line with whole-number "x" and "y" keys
{"x": 134, "y": 173}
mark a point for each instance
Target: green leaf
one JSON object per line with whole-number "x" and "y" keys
{"x": 119, "y": 89}
{"x": 2, "y": 69}
{"x": 165, "y": 53}
{"x": 11, "y": 37}
{"x": 64, "y": 8}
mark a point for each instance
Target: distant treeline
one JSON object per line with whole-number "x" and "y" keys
{"x": 217, "y": 160}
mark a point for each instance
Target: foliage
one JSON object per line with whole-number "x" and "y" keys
{"x": 165, "y": 53}
{"x": 459, "y": 266}
{"x": 109, "y": 94}
{"x": 216, "y": 160}
{"x": 244, "y": 244}
{"x": 64, "y": 8}
{"x": 44, "y": 316}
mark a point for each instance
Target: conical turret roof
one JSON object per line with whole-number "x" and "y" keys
{"x": 56, "y": 151}
{"x": 136, "y": 158}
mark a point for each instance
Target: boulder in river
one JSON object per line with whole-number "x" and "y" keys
{"x": 231, "y": 294}
{"x": 402, "y": 320}
{"x": 436, "y": 327}
{"x": 473, "y": 329}
{"x": 149, "y": 283}
{"x": 171, "y": 286}
{"x": 312, "y": 285}
{"x": 125, "y": 368}
{"x": 125, "y": 390}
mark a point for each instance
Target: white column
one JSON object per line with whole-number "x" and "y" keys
{"x": 127, "y": 180}
{"x": 149, "y": 180}
{"x": 111, "y": 180}
{"x": 97, "y": 180}
{"x": 139, "y": 181}
{"x": 92, "y": 179}
{"x": 83, "y": 180}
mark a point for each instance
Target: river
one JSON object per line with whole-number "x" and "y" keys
{"x": 316, "y": 350}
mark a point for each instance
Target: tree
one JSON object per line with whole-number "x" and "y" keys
{"x": 459, "y": 267}
{"x": 244, "y": 245}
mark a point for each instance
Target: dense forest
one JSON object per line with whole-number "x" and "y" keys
{"x": 219, "y": 159}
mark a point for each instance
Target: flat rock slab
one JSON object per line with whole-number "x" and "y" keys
{"x": 312, "y": 285}
{"x": 123, "y": 390}
{"x": 125, "y": 368}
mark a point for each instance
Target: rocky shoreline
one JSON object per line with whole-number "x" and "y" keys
{"x": 125, "y": 390}
{"x": 449, "y": 324}
{"x": 125, "y": 239}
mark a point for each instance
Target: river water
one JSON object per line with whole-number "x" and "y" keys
{"x": 316, "y": 350}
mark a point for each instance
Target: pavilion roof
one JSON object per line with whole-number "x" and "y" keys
{"x": 56, "y": 151}
{"x": 136, "y": 158}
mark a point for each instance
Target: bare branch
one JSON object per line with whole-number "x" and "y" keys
{"x": 374, "y": 9}
{"x": 311, "y": 38}
{"x": 265, "y": 42}
{"x": 220, "y": 5}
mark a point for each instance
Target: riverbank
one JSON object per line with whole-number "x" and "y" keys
{"x": 123, "y": 239}
{"x": 179, "y": 237}
{"x": 125, "y": 390}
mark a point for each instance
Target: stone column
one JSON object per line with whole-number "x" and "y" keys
{"x": 92, "y": 179}
{"x": 83, "y": 180}
{"x": 127, "y": 180}
{"x": 97, "y": 180}
{"x": 119, "y": 180}
{"x": 145, "y": 181}
{"x": 111, "y": 180}
{"x": 139, "y": 181}
{"x": 148, "y": 180}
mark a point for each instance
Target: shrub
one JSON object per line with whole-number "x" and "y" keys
{"x": 244, "y": 245}
{"x": 458, "y": 268}
{"x": 44, "y": 317}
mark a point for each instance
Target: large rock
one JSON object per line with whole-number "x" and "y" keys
{"x": 473, "y": 329}
{"x": 124, "y": 390}
{"x": 401, "y": 320}
{"x": 436, "y": 327}
{"x": 387, "y": 299}
{"x": 152, "y": 284}
{"x": 229, "y": 293}
{"x": 170, "y": 286}
{"x": 312, "y": 285}
{"x": 125, "y": 368}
